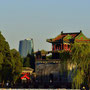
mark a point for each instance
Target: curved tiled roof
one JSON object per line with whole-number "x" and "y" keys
{"x": 61, "y": 36}
{"x": 77, "y": 36}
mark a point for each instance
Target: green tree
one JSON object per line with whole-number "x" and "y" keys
{"x": 81, "y": 57}
{"x": 5, "y": 60}
{"x": 1, "y": 62}
{"x": 17, "y": 64}
{"x": 10, "y": 62}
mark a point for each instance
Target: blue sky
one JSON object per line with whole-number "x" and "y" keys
{"x": 42, "y": 19}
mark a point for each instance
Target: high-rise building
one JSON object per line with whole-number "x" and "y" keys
{"x": 26, "y": 47}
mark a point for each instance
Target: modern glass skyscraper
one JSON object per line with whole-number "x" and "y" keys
{"x": 26, "y": 47}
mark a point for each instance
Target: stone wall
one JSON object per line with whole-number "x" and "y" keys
{"x": 47, "y": 70}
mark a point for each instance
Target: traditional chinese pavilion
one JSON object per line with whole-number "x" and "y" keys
{"x": 48, "y": 68}
{"x": 64, "y": 40}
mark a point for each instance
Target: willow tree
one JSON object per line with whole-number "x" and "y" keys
{"x": 81, "y": 57}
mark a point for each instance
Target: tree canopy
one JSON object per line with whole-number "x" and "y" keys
{"x": 81, "y": 56}
{"x": 17, "y": 64}
{"x": 10, "y": 61}
{"x": 5, "y": 59}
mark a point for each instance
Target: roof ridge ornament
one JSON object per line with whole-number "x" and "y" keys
{"x": 80, "y": 31}
{"x": 61, "y": 32}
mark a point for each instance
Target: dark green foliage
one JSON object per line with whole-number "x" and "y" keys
{"x": 17, "y": 64}
{"x": 65, "y": 57}
{"x": 10, "y": 62}
{"x": 29, "y": 61}
{"x": 5, "y": 60}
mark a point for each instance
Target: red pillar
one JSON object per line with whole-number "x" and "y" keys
{"x": 63, "y": 46}
{"x": 54, "y": 47}
{"x": 70, "y": 47}
{"x": 59, "y": 47}
{"x": 67, "y": 47}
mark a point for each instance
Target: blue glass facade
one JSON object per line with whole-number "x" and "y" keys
{"x": 26, "y": 47}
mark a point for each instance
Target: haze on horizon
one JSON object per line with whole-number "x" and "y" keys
{"x": 42, "y": 19}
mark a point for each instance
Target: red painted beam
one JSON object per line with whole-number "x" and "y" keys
{"x": 25, "y": 76}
